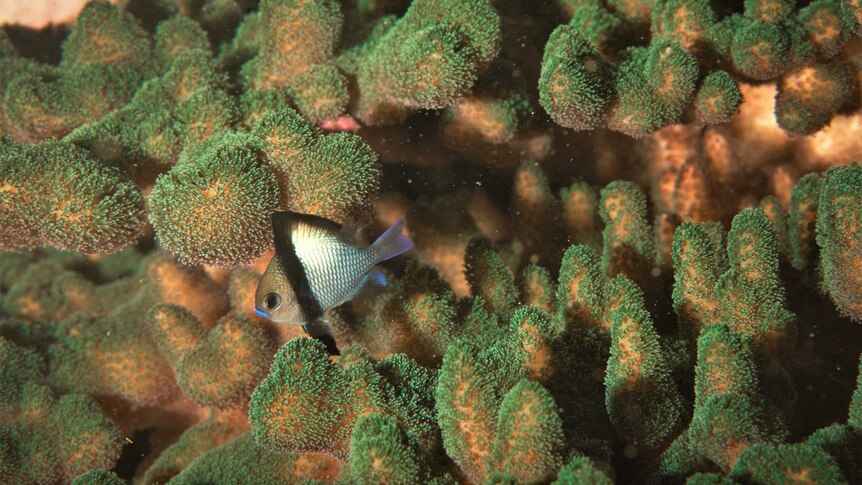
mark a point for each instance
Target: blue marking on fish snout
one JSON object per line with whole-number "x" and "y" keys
{"x": 261, "y": 313}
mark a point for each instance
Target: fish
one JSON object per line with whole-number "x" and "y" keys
{"x": 319, "y": 265}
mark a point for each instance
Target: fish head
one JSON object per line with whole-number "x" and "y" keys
{"x": 276, "y": 298}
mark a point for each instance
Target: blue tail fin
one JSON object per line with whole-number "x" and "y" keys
{"x": 391, "y": 243}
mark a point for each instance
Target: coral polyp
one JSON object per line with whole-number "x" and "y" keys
{"x": 636, "y": 228}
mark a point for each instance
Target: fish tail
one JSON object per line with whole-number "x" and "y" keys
{"x": 391, "y": 243}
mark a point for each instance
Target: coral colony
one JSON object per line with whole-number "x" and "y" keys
{"x": 637, "y": 228}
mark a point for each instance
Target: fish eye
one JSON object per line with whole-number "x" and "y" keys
{"x": 271, "y": 301}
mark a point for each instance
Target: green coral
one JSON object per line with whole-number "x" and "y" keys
{"x": 537, "y": 212}
{"x": 58, "y": 195}
{"x": 653, "y": 85}
{"x": 216, "y": 209}
{"x": 529, "y": 446}
{"x": 294, "y": 42}
{"x": 802, "y": 217}
{"x": 308, "y": 404}
{"x": 576, "y": 84}
{"x": 98, "y": 478}
{"x": 642, "y": 400}
{"x": 770, "y": 463}
{"x": 104, "y": 59}
{"x": 838, "y": 216}
{"x": 493, "y": 356}
{"x": 469, "y": 392}
{"x": 581, "y": 471}
{"x": 696, "y": 273}
{"x": 489, "y": 277}
{"x": 581, "y": 214}
{"x": 220, "y": 428}
{"x": 855, "y": 419}
{"x": 242, "y": 460}
{"x": 718, "y": 98}
{"x": 628, "y": 244}
{"x": 809, "y": 96}
{"x": 216, "y": 367}
{"x": 427, "y": 59}
{"x": 381, "y": 452}
{"x": 47, "y": 437}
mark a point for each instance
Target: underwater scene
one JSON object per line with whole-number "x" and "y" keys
{"x": 430, "y": 242}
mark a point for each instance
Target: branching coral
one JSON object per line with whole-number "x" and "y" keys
{"x": 241, "y": 460}
{"x": 839, "y": 238}
{"x": 310, "y": 405}
{"x": 382, "y": 452}
{"x": 57, "y": 194}
{"x": 105, "y": 58}
{"x": 636, "y": 228}
{"x": 195, "y": 207}
{"x": 642, "y": 400}
{"x": 589, "y": 80}
{"x": 493, "y": 422}
{"x": 47, "y": 438}
{"x": 216, "y": 367}
{"x": 427, "y": 59}
{"x": 220, "y": 428}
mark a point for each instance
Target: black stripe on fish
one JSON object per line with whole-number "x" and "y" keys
{"x": 285, "y": 249}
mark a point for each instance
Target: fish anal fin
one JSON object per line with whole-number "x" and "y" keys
{"x": 373, "y": 284}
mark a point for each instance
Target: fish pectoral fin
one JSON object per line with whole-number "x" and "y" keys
{"x": 373, "y": 285}
{"x": 319, "y": 329}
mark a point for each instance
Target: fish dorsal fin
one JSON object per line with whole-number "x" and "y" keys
{"x": 353, "y": 233}
{"x": 281, "y": 227}
{"x": 315, "y": 223}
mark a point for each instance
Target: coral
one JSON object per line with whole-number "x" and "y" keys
{"x": 537, "y": 214}
{"x": 48, "y": 438}
{"x": 98, "y": 478}
{"x": 307, "y": 404}
{"x": 382, "y": 452}
{"x": 220, "y": 428}
{"x": 241, "y": 460}
{"x": 641, "y": 397}
{"x": 591, "y": 79}
{"x": 428, "y": 58}
{"x": 107, "y": 356}
{"x": 838, "y": 218}
{"x": 298, "y": 38}
{"x": 195, "y": 207}
{"x": 105, "y": 57}
{"x": 529, "y": 445}
{"x": 636, "y": 229}
{"x": 216, "y": 367}
{"x": 489, "y": 277}
{"x": 856, "y": 403}
{"x": 57, "y": 194}
{"x": 628, "y": 247}
{"x": 332, "y": 175}
{"x": 581, "y": 471}
{"x": 779, "y": 463}
{"x": 175, "y": 36}
{"x": 843, "y": 443}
